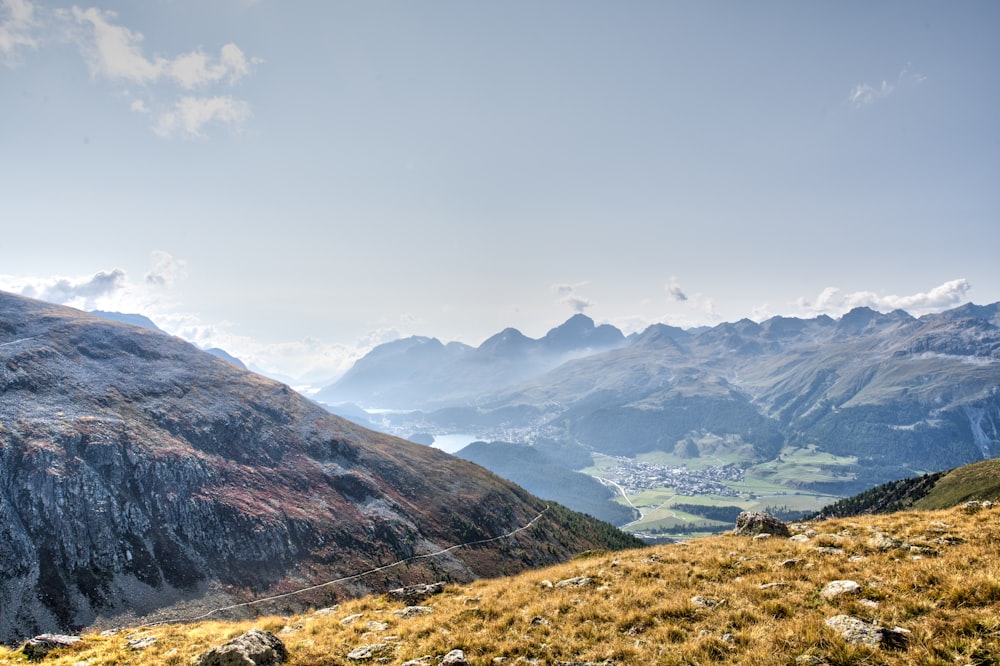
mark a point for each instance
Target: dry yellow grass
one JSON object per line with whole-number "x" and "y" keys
{"x": 940, "y": 580}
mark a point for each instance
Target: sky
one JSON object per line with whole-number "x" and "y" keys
{"x": 298, "y": 181}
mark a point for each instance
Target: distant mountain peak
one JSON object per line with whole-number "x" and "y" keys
{"x": 128, "y": 318}
{"x": 579, "y": 332}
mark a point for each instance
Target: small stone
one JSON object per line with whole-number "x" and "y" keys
{"x": 141, "y": 643}
{"x": 837, "y": 588}
{"x": 829, "y": 550}
{"x": 326, "y": 611}
{"x": 577, "y": 581}
{"x": 369, "y": 652}
{"x": 413, "y": 611}
{"x": 972, "y": 506}
{"x": 884, "y": 543}
{"x": 454, "y": 658}
{"x": 413, "y": 594}
{"x": 704, "y": 602}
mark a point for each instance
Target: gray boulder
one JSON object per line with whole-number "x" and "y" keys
{"x": 856, "y": 630}
{"x": 454, "y": 658}
{"x": 839, "y": 588}
{"x": 38, "y": 647}
{"x": 752, "y": 523}
{"x": 254, "y": 648}
{"x": 414, "y": 594}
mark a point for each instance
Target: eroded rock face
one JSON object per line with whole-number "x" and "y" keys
{"x": 137, "y": 470}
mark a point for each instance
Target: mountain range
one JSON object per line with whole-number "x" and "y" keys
{"x": 420, "y": 372}
{"x": 139, "y": 474}
{"x": 897, "y": 394}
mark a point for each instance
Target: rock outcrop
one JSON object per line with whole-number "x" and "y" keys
{"x": 754, "y": 523}
{"x": 254, "y": 648}
{"x": 856, "y": 630}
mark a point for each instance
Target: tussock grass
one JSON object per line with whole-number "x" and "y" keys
{"x": 758, "y": 603}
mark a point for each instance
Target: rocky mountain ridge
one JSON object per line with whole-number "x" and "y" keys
{"x": 896, "y": 394}
{"x": 138, "y": 472}
{"x": 421, "y": 372}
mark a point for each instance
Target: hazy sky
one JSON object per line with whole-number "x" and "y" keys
{"x": 296, "y": 181}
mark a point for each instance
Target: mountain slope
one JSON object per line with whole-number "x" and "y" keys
{"x": 538, "y": 473}
{"x": 713, "y": 600}
{"x": 137, "y": 472}
{"x": 978, "y": 481}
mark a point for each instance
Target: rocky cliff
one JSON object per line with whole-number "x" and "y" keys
{"x": 137, "y": 472}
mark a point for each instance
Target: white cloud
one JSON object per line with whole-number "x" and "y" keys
{"x": 16, "y": 28}
{"x": 864, "y": 94}
{"x": 115, "y": 53}
{"x": 675, "y": 292}
{"x": 190, "y": 115}
{"x": 84, "y": 292}
{"x": 567, "y": 293}
{"x": 308, "y": 361}
{"x": 833, "y": 302}
{"x": 195, "y": 69}
{"x": 104, "y": 290}
{"x": 166, "y": 269}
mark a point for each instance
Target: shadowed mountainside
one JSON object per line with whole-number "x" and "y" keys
{"x": 137, "y": 472}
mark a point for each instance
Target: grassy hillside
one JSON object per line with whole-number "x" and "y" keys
{"x": 723, "y": 599}
{"x": 978, "y": 481}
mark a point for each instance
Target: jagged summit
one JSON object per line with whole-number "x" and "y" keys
{"x": 138, "y": 472}
{"x": 420, "y": 372}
